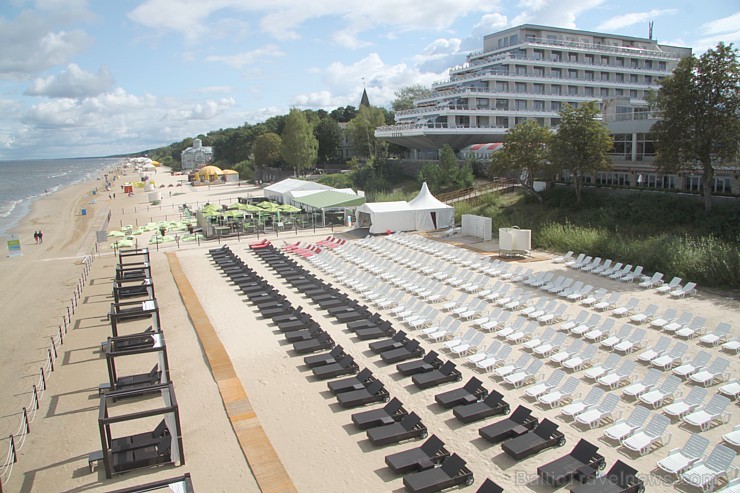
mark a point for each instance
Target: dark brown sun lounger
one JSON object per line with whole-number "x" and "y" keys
{"x": 492, "y": 405}
{"x": 374, "y": 392}
{"x": 582, "y": 463}
{"x": 621, "y": 478}
{"x": 473, "y": 391}
{"x": 412, "y": 349}
{"x": 520, "y": 422}
{"x": 345, "y": 366}
{"x": 390, "y": 413}
{"x": 323, "y": 341}
{"x": 445, "y": 373}
{"x": 544, "y": 436}
{"x": 430, "y": 362}
{"x": 430, "y": 453}
{"x": 372, "y": 321}
{"x": 489, "y": 486}
{"x": 451, "y": 473}
{"x": 358, "y": 382}
{"x": 409, "y": 427}
{"x": 332, "y": 356}
{"x": 397, "y": 341}
{"x": 384, "y": 329}
{"x": 312, "y": 332}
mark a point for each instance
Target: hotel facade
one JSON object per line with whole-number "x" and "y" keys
{"x": 531, "y": 72}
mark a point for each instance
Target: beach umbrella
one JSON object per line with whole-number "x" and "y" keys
{"x": 116, "y": 234}
{"x": 288, "y": 209}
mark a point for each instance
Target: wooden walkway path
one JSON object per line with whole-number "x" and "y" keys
{"x": 269, "y": 472}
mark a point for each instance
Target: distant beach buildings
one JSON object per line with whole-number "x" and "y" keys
{"x": 530, "y": 72}
{"x": 196, "y": 156}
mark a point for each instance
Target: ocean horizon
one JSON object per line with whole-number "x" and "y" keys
{"x": 24, "y": 181}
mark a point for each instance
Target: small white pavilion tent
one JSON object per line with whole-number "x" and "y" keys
{"x": 384, "y": 216}
{"x": 277, "y": 192}
{"x": 430, "y": 212}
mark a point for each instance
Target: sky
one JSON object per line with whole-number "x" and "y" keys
{"x": 83, "y": 78}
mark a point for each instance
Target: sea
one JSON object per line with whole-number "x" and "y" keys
{"x": 22, "y": 182}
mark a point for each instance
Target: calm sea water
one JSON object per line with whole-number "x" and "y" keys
{"x": 22, "y": 182}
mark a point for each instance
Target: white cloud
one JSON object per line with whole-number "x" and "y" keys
{"x": 626, "y": 20}
{"x": 344, "y": 83}
{"x": 557, "y": 13}
{"x": 216, "y": 89}
{"x": 725, "y": 25}
{"x": 205, "y": 110}
{"x": 33, "y": 41}
{"x": 247, "y": 58}
{"x": 73, "y": 82}
{"x": 283, "y": 18}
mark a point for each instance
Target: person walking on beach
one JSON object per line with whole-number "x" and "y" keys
{"x": 41, "y": 237}
{"x": 36, "y": 236}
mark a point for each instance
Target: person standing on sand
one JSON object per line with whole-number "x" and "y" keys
{"x": 41, "y": 237}
{"x": 36, "y": 236}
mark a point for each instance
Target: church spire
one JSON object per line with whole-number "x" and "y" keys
{"x": 364, "y": 101}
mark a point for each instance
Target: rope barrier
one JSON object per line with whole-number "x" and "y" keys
{"x": 18, "y": 439}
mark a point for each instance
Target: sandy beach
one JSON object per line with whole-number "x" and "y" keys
{"x": 312, "y": 436}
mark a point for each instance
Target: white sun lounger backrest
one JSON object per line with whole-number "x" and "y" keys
{"x": 651, "y": 377}
{"x": 701, "y": 359}
{"x": 626, "y": 369}
{"x": 657, "y": 425}
{"x": 503, "y": 353}
{"x": 696, "y": 396}
{"x": 638, "y": 416}
{"x": 720, "y": 459}
{"x": 589, "y": 352}
{"x": 677, "y": 351}
{"x": 611, "y": 361}
{"x": 718, "y": 366}
{"x": 593, "y": 397}
{"x": 695, "y": 446}
{"x": 662, "y": 344}
{"x": 717, "y": 405}
{"x": 608, "y": 404}
{"x": 555, "y": 378}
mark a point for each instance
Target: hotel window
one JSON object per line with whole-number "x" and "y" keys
{"x": 572, "y": 74}
{"x": 519, "y": 120}
{"x": 633, "y": 62}
{"x": 589, "y": 74}
{"x": 589, "y": 59}
{"x": 589, "y": 91}
{"x": 556, "y": 56}
{"x": 661, "y": 66}
{"x": 619, "y": 92}
{"x": 649, "y": 80}
{"x": 633, "y": 93}
{"x": 649, "y": 64}
{"x": 619, "y": 77}
{"x": 514, "y": 39}
{"x": 633, "y": 78}
{"x": 502, "y": 104}
{"x": 604, "y": 92}
{"x": 538, "y": 88}
{"x": 573, "y": 90}
{"x": 502, "y": 122}
{"x": 539, "y": 71}
{"x": 521, "y": 104}
{"x": 605, "y": 76}
{"x": 554, "y": 122}
{"x": 538, "y": 54}
{"x": 539, "y": 105}
{"x": 552, "y": 37}
{"x": 521, "y": 70}
{"x": 529, "y": 37}
{"x": 502, "y": 87}
{"x": 556, "y": 106}
{"x": 604, "y": 60}
{"x": 557, "y": 90}
{"x": 619, "y": 62}
{"x": 556, "y": 73}
{"x": 482, "y": 103}
{"x": 573, "y": 57}
{"x": 521, "y": 87}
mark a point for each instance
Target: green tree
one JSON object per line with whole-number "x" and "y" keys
{"x": 524, "y": 154}
{"x": 329, "y": 136}
{"x": 361, "y": 132}
{"x": 344, "y": 115}
{"x": 406, "y": 96}
{"x": 581, "y": 145}
{"x": 700, "y": 121}
{"x": 299, "y": 147}
{"x": 266, "y": 150}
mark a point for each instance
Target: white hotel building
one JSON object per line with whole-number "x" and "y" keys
{"x": 530, "y": 72}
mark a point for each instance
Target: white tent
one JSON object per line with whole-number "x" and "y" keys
{"x": 430, "y": 212}
{"x": 384, "y": 216}
{"x": 277, "y": 192}
{"x": 421, "y": 214}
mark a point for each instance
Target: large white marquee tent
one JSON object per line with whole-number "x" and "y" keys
{"x": 423, "y": 213}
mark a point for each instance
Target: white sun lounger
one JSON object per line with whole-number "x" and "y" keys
{"x": 679, "y": 460}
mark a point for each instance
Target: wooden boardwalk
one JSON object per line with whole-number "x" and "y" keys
{"x": 269, "y": 472}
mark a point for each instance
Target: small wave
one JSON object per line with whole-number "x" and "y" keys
{"x": 7, "y": 207}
